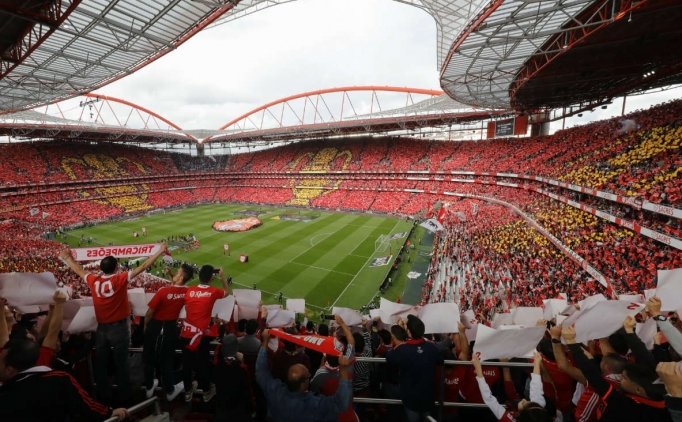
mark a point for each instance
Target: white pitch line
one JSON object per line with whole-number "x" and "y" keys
{"x": 322, "y": 268}
{"x": 312, "y": 246}
{"x": 360, "y": 270}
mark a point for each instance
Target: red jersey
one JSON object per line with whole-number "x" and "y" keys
{"x": 469, "y": 390}
{"x": 199, "y": 302}
{"x": 109, "y": 296}
{"x": 454, "y": 379}
{"x": 167, "y": 303}
{"x": 560, "y": 391}
{"x": 589, "y": 401}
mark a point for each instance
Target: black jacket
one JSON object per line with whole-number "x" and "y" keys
{"x": 615, "y": 405}
{"x": 41, "y": 394}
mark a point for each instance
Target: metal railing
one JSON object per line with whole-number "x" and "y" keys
{"x": 440, "y": 404}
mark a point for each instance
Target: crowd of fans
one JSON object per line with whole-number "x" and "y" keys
{"x": 641, "y": 163}
{"x": 487, "y": 259}
{"x": 251, "y": 376}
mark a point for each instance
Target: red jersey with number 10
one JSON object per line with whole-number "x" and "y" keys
{"x": 109, "y": 296}
{"x": 199, "y": 302}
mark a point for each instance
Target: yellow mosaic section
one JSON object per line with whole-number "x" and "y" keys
{"x": 129, "y": 198}
{"x": 305, "y": 190}
{"x": 657, "y": 141}
{"x": 517, "y": 238}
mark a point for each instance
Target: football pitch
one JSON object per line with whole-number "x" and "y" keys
{"x": 327, "y": 259}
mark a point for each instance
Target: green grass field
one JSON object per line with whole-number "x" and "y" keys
{"x": 325, "y": 260}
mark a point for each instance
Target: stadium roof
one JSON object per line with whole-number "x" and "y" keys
{"x": 316, "y": 114}
{"x": 495, "y": 54}
{"x": 56, "y": 49}
{"x": 538, "y": 53}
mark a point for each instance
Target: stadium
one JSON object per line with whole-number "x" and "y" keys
{"x": 530, "y": 204}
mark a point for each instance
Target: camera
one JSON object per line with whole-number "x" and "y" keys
{"x": 216, "y": 271}
{"x": 327, "y": 317}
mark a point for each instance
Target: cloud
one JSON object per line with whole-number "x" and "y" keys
{"x": 295, "y": 47}
{"x": 300, "y": 46}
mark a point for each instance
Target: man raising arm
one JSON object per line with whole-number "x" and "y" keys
{"x": 292, "y": 401}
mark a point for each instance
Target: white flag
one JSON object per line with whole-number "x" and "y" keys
{"x": 603, "y": 319}
{"x": 23, "y": 289}
{"x": 440, "y": 318}
{"x": 669, "y": 289}
{"x": 514, "y": 343}
{"x": 350, "y": 316}
{"x": 248, "y": 302}
{"x": 296, "y": 305}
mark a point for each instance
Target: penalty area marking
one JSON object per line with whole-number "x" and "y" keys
{"x": 360, "y": 270}
{"x": 313, "y": 244}
{"x": 321, "y": 236}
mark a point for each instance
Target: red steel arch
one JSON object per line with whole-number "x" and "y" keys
{"x": 374, "y": 88}
{"x": 134, "y": 106}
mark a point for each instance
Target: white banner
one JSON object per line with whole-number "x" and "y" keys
{"x": 248, "y": 303}
{"x": 516, "y": 343}
{"x": 391, "y": 312}
{"x": 440, "y": 318}
{"x": 603, "y": 319}
{"x": 125, "y": 251}
{"x": 590, "y": 301}
{"x": 24, "y": 289}
{"x": 138, "y": 301}
{"x": 222, "y": 308}
{"x": 296, "y": 305}
{"x": 553, "y": 307}
{"x": 350, "y": 316}
{"x": 631, "y": 298}
{"x": 647, "y": 332}
{"x": 431, "y": 224}
{"x": 84, "y": 321}
{"x": 280, "y": 318}
{"x": 502, "y": 318}
{"x": 526, "y": 316}
{"x": 669, "y": 289}
{"x": 468, "y": 318}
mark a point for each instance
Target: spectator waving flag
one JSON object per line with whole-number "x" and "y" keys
{"x": 323, "y": 344}
{"x": 124, "y": 251}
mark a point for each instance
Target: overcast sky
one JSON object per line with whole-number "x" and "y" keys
{"x": 300, "y": 46}
{"x": 305, "y": 45}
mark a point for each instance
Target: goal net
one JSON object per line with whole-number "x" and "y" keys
{"x": 382, "y": 243}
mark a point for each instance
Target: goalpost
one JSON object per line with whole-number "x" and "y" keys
{"x": 382, "y": 244}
